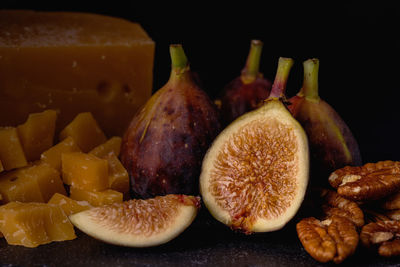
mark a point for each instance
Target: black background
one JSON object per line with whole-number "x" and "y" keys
{"x": 357, "y": 44}
{"x": 358, "y": 47}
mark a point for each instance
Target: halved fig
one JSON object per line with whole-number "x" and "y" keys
{"x": 255, "y": 174}
{"x": 137, "y": 222}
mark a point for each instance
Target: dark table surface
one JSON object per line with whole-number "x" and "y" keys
{"x": 205, "y": 243}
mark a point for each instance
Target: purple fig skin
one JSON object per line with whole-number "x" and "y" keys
{"x": 332, "y": 144}
{"x": 246, "y": 92}
{"x": 164, "y": 145}
{"x": 239, "y": 97}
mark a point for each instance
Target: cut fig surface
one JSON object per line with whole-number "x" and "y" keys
{"x": 255, "y": 174}
{"x": 139, "y": 223}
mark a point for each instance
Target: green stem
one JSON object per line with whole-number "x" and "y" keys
{"x": 178, "y": 57}
{"x": 310, "y": 82}
{"x": 281, "y": 77}
{"x": 179, "y": 61}
{"x": 252, "y": 67}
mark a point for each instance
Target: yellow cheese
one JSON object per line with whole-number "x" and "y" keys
{"x": 34, "y": 224}
{"x": 85, "y": 131}
{"x": 37, "y": 183}
{"x": 112, "y": 146}
{"x": 69, "y": 205}
{"x": 97, "y": 199}
{"x": 84, "y": 171}
{"x": 11, "y": 152}
{"x": 73, "y": 63}
{"x": 52, "y": 156}
{"x": 37, "y": 133}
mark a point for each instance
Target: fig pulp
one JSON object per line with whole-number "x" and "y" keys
{"x": 247, "y": 91}
{"x": 138, "y": 222}
{"x": 255, "y": 174}
{"x": 164, "y": 145}
{"x": 332, "y": 145}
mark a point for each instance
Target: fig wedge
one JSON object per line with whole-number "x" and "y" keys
{"x": 137, "y": 222}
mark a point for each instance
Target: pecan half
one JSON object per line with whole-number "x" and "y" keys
{"x": 335, "y": 238}
{"x": 383, "y": 234}
{"x": 375, "y": 216}
{"x": 369, "y": 182}
{"x": 393, "y": 214}
{"x": 334, "y": 204}
{"x": 392, "y": 202}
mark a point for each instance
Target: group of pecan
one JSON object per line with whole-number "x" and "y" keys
{"x": 365, "y": 207}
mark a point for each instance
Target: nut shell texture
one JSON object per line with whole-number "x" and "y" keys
{"x": 334, "y": 239}
{"x": 369, "y": 182}
{"x": 384, "y": 235}
{"x": 255, "y": 174}
{"x": 139, "y": 223}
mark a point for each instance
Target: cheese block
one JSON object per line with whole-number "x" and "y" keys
{"x": 73, "y": 63}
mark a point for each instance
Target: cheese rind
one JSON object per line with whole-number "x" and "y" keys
{"x": 73, "y": 62}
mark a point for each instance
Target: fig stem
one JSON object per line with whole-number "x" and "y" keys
{"x": 252, "y": 67}
{"x": 310, "y": 82}
{"x": 281, "y": 77}
{"x": 178, "y": 57}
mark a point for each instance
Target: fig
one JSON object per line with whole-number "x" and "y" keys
{"x": 247, "y": 91}
{"x": 139, "y": 222}
{"x": 255, "y": 174}
{"x": 165, "y": 143}
{"x": 332, "y": 144}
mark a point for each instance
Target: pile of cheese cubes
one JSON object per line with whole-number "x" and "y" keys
{"x": 42, "y": 183}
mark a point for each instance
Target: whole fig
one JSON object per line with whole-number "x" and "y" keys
{"x": 164, "y": 145}
{"x": 332, "y": 144}
{"x": 247, "y": 91}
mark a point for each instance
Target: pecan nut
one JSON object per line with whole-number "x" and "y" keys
{"x": 334, "y": 204}
{"x": 335, "y": 238}
{"x": 375, "y": 216}
{"x": 393, "y": 214}
{"x": 382, "y": 234}
{"x": 392, "y": 202}
{"x": 369, "y": 182}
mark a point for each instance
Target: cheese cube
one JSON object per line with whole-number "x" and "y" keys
{"x": 85, "y": 131}
{"x": 84, "y": 171}
{"x": 68, "y": 205}
{"x": 96, "y": 199}
{"x": 34, "y": 224}
{"x": 113, "y": 145}
{"x": 52, "y": 156}
{"x": 37, "y": 133}
{"x": 11, "y": 152}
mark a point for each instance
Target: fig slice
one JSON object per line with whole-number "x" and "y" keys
{"x": 255, "y": 174}
{"x": 137, "y": 222}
